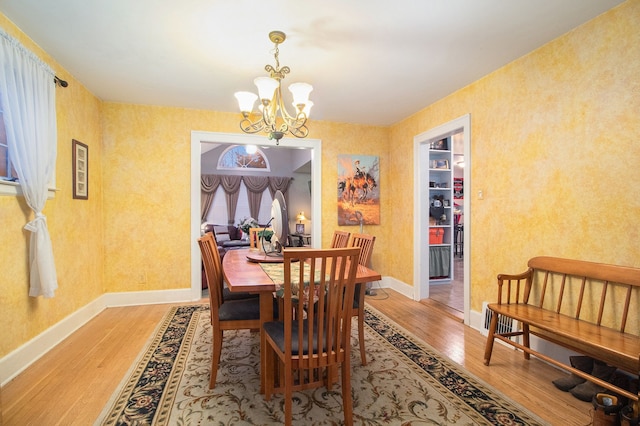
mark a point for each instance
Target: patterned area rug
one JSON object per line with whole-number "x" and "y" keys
{"x": 405, "y": 382}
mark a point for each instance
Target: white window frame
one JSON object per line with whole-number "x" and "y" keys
{"x": 12, "y": 188}
{"x": 223, "y": 159}
{"x": 9, "y": 188}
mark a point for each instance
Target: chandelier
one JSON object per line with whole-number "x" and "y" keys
{"x": 272, "y": 116}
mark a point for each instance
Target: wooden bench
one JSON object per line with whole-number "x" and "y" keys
{"x": 583, "y": 306}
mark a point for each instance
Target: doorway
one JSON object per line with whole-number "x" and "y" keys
{"x": 459, "y": 264}
{"x": 197, "y": 137}
{"x": 451, "y": 294}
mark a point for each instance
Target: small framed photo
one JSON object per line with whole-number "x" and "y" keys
{"x": 440, "y": 145}
{"x": 442, "y": 164}
{"x": 80, "y": 170}
{"x": 299, "y": 228}
{"x": 446, "y": 203}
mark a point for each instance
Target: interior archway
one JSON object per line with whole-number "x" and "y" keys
{"x": 197, "y": 137}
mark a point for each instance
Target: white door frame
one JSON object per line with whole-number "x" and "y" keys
{"x": 421, "y": 210}
{"x": 197, "y": 137}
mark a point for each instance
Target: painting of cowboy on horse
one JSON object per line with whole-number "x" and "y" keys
{"x": 358, "y": 191}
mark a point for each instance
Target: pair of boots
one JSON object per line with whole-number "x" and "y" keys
{"x": 579, "y": 387}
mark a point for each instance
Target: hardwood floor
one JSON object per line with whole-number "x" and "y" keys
{"x": 451, "y": 294}
{"x": 72, "y": 383}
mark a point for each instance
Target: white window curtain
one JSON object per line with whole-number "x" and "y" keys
{"x": 27, "y": 93}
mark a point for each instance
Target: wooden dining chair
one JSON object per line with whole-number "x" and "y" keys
{"x": 309, "y": 348}
{"x": 365, "y": 242}
{"x": 225, "y": 314}
{"x": 226, "y": 293}
{"x": 253, "y": 237}
{"x": 340, "y": 239}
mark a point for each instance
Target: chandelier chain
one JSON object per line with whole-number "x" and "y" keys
{"x": 267, "y": 118}
{"x": 276, "y": 55}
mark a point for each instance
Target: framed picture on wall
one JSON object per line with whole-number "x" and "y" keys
{"x": 358, "y": 189}
{"x": 80, "y": 170}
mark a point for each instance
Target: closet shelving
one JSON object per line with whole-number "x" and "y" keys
{"x": 441, "y": 210}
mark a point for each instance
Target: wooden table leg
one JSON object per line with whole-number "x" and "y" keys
{"x": 266, "y": 314}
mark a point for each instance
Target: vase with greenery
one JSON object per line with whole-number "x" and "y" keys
{"x": 264, "y": 238}
{"x": 246, "y": 224}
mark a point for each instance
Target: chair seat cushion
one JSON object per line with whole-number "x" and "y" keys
{"x": 356, "y": 296}
{"x": 246, "y": 309}
{"x": 275, "y": 329}
{"x": 231, "y": 295}
{"x": 243, "y": 309}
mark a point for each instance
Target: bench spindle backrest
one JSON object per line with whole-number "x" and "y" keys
{"x": 581, "y": 297}
{"x": 627, "y": 302}
{"x": 602, "y": 299}
{"x": 544, "y": 289}
{"x": 624, "y": 277}
{"x": 564, "y": 280}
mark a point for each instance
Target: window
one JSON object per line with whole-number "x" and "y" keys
{"x": 218, "y": 211}
{"x": 28, "y": 109}
{"x": 8, "y": 175}
{"x": 7, "y": 172}
{"x": 237, "y": 157}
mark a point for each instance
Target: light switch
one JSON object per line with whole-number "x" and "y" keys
{"x": 480, "y": 194}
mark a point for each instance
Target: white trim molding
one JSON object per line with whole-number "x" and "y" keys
{"x": 18, "y": 360}
{"x": 198, "y": 137}
{"x": 420, "y": 203}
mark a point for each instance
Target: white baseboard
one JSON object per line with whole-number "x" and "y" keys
{"x": 476, "y": 322}
{"x": 18, "y": 360}
{"x": 15, "y": 362}
{"x": 396, "y": 285}
{"x": 545, "y": 347}
{"x": 135, "y": 298}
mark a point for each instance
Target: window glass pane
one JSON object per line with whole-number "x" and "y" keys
{"x": 237, "y": 157}
{"x": 4, "y": 150}
{"x": 5, "y": 162}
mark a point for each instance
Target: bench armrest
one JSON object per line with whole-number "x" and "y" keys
{"x": 518, "y": 287}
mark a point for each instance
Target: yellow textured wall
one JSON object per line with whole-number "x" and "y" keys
{"x": 350, "y": 139}
{"x": 147, "y": 196}
{"x": 75, "y": 225}
{"x": 147, "y": 188}
{"x": 554, "y": 147}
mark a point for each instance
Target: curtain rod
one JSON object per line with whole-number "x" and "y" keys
{"x": 61, "y": 82}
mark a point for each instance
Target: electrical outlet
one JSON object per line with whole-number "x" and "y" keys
{"x": 142, "y": 277}
{"x": 480, "y": 194}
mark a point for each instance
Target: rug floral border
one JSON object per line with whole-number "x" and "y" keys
{"x": 152, "y": 384}
{"x": 156, "y": 375}
{"x": 479, "y": 398}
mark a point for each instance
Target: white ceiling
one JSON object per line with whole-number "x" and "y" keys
{"x": 370, "y": 61}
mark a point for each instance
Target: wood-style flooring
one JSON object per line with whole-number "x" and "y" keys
{"x": 71, "y": 384}
{"x": 451, "y": 293}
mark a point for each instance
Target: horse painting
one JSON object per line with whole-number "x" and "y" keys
{"x": 365, "y": 183}
{"x": 358, "y": 191}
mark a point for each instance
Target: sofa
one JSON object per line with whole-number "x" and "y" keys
{"x": 228, "y": 237}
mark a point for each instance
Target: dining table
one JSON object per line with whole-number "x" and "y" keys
{"x": 243, "y": 273}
